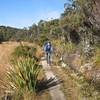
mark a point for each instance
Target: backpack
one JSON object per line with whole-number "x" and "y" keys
{"x": 48, "y": 48}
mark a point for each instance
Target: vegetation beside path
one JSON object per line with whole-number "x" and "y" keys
{"x": 22, "y": 77}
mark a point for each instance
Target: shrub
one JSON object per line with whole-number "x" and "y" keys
{"x": 24, "y": 51}
{"x": 42, "y": 39}
{"x": 62, "y": 47}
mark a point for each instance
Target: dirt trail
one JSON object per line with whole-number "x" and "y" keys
{"x": 55, "y": 92}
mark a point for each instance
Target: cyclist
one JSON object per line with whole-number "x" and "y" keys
{"x": 48, "y": 50}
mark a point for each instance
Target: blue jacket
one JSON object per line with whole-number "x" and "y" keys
{"x": 44, "y": 48}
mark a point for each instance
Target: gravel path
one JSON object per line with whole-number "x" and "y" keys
{"x": 55, "y": 92}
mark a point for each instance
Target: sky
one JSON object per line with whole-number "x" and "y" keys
{"x": 24, "y": 13}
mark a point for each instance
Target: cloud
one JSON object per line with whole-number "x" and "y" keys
{"x": 48, "y": 15}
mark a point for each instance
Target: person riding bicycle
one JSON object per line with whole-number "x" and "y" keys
{"x": 48, "y": 50}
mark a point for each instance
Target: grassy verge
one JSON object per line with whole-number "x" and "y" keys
{"x": 68, "y": 86}
{"x": 74, "y": 85}
{"x": 21, "y": 79}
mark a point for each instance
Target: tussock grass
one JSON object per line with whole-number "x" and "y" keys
{"x": 22, "y": 78}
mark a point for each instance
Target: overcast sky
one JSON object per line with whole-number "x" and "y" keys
{"x": 23, "y": 13}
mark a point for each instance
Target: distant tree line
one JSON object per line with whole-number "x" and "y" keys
{"x": 78, "y": 23}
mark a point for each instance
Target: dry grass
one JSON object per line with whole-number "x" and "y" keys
{"x": 6, "y": 49}
{"x": 97, "y": 58}
{"x": 75, "y": 86}
{"x": 69, "y": 87}
{"x": 39, "y": 52}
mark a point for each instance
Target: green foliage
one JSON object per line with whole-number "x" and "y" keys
{"x": 42, "y": 40}
{"x": 1, "y": 38}
{"x": 61, "y": 47}
{"x": 56, "y": 33}
{"x": 97, "y": 57}
{"x": 6, "y": 33}
{"x": 70, "y": 47}
{"x": 21, "y": 35}
{"x": 23, "y": 75}
{"x": 24, "y": 51}
{"x": 78, "y": 16}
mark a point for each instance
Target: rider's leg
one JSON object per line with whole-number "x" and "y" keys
{"x": 49, "y": 58}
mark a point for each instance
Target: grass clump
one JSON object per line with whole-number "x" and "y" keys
{"x": 23, "y": 76}
{"x": 24, "y": 51}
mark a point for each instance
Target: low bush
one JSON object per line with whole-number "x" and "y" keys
{"x": 25, "y": 51}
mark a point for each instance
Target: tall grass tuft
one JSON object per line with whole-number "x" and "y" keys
{"x": 23, "y": 75}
